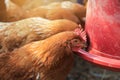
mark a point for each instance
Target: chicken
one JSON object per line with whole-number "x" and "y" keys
{"x": 57, "y": 10}
{"x": 10, "y": 11}
{"x": 78, "y": 9}
{"x": 52, "y": 14}
{"x": 30, "y": 4}
{"x": 51, "y": 59}
{"x": 16, "y": 34}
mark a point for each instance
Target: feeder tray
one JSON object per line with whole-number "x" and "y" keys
{"x": 103, "y": 61}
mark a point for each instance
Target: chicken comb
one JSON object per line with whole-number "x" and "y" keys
{"x": 79, "y": 31}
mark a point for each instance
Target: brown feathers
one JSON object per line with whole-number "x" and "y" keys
{"x": 16, "y": 34}
{"x": 51, "y": 58}
{"x": 58, "y": 10}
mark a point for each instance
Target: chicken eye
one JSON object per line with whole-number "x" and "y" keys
{"x": 76, "y": 41}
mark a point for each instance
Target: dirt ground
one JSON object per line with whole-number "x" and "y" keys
{"x": 86, "y": 71}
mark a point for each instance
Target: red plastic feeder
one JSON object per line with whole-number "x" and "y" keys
{"x": 103, "y": 30}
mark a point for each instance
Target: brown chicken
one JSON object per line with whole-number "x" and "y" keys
{"x": 53, "y": 13}
{"x": 58, "y": 10}
{"x": 49, "y": 59}
{"x": 30, "y": 4}
{"x": 78, "y": 9}
{"x": 16, "y": 34}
